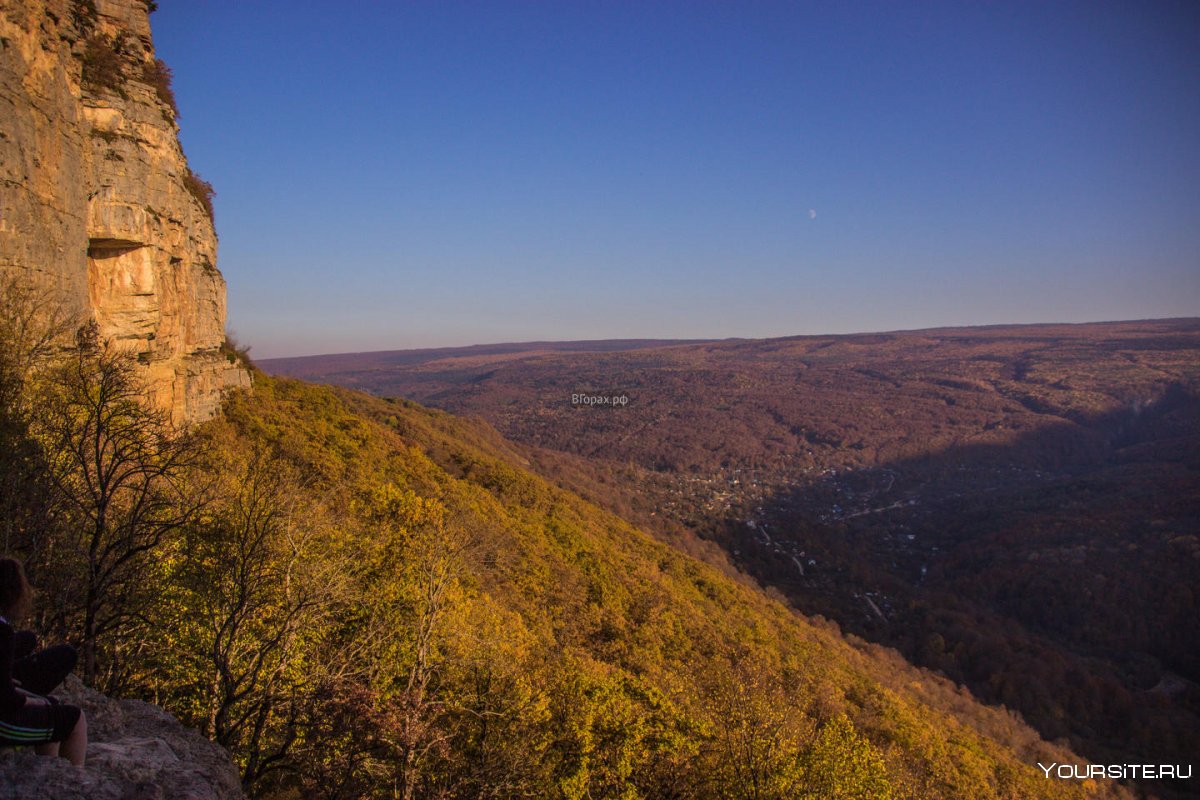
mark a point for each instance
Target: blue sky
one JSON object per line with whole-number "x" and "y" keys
{"x": 396, "y": 175}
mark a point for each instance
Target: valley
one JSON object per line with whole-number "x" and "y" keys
{"x": 1017, "y": 507}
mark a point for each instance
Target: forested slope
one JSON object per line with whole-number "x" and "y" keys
{"x": 491, "y": 635}
{"x": 1015, "y": 507}
{"x": 361, "y": 597}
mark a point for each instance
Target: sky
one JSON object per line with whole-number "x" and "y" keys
{"x": 396, "y": 175}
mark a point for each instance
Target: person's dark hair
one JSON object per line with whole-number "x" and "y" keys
{"x": 15, "y": 594}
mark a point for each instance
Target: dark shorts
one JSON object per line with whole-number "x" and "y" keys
{"x": 38, "y": 723}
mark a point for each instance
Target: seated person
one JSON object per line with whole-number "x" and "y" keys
{"x": 53, "y": 728}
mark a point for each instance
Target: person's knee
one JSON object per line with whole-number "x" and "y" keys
{"x": 70, "y": 657}
{"x": 80, "y": 729}
{"x": 45, "y": 670}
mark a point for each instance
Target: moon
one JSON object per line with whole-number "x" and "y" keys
{"x": 812, "y": 213}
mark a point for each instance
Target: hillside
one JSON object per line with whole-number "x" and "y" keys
{"x": 1015, "y": 507}
{"x": 612, "y": 665}
{"x": 366, "y": 598}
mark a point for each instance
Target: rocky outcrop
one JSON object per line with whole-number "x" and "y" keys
{"x": 136, "y": 751}
{"x": 96, "y": 197}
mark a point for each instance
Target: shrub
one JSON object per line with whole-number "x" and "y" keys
{"x": 84, "y": 15}
{"x": 102, "y": 67}
{"x": 202, "y": 190}
{"x": 235, "y": 352}
{"x": 158, "y": 75}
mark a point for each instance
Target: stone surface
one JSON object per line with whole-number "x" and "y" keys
{"x": 136, "y": 751}
{"x": 94, "y": 200}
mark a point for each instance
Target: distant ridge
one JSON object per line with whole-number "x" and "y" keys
{"x": 315, "y": 366}
{"x": 361, "y": 370}
{"x": 418, "y": 355}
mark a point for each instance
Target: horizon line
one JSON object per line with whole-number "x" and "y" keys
{"x": 651, "y": 341}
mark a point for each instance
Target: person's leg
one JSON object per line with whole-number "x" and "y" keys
{"x": 43, "y": 672}
{"x": 47, "y": 749}
{"x": 74, "y": 749}
{"x": 39, "y": 719}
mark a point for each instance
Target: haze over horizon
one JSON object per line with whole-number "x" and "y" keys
{"x": 654, "y": 342}
{"x": 437, "y": 175}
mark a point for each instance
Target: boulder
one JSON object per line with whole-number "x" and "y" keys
{"x": 136, "y": 751}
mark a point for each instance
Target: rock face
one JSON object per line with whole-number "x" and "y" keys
{"x": 96, "y": 198}
{"x": 136, "y": 751}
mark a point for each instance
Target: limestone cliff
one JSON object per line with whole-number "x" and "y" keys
{"x": 96, "y": 197}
